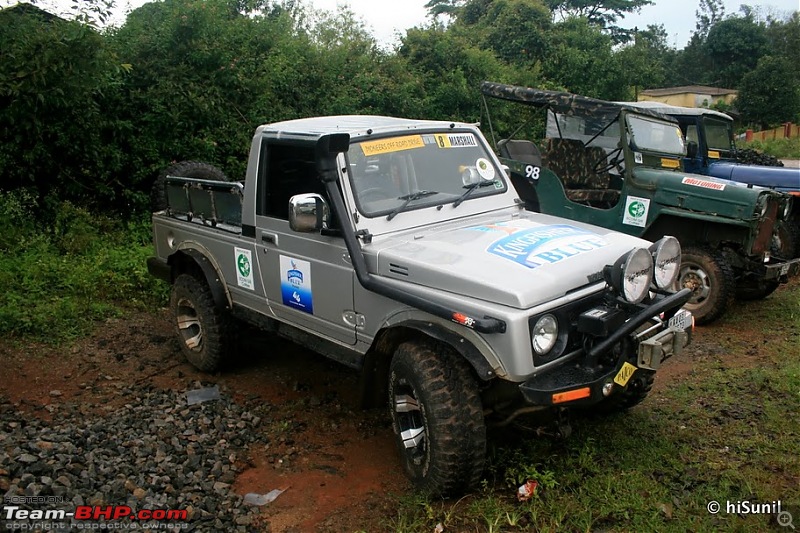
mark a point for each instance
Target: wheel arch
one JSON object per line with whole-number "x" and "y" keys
{"x": 196, "y": 260}
{"x": 375, "y": 370}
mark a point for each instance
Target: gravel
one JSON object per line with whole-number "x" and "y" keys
{"x": 155, "y": 452}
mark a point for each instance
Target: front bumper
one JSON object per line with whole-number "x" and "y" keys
{"x": 780, "y": 269}
{"x": 574, "y": 384}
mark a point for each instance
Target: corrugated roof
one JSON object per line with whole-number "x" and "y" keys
{"x": 691, "y": 89}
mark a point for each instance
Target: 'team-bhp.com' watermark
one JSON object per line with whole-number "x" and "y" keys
{"x": 747, "y": 507}
{"x": 89, "y": 517}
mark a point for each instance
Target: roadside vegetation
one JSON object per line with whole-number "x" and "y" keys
{"x": 780, "y": 148}
{"x": 64, "y": 272}
{"x": 727, "y": 432}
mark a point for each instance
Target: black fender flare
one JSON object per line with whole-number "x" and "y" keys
{"x": 375, "y": 370}
{"x": 177, "y": 263}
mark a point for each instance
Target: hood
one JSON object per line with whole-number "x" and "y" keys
{"x": 701, "y": 194}
{"x": 518, "y": 261}
{"x": 781, "y": 178}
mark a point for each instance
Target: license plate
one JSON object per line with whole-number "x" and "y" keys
{"x": 624, "y": 374}
{"x": 682, "y": 320}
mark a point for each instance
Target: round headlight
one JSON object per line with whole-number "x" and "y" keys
{"x": 667, "y": 260}
{"x": 787, "y": 208}
{"x": 545, "y": 334}
{"x": 637, "y": 274}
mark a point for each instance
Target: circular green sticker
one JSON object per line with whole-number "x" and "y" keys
{"x": 243, "y": 264}
{"x": 636, "y": 209}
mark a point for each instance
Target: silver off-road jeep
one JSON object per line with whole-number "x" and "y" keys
{"x": 399, "y": 248}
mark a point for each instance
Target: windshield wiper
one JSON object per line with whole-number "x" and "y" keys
{"x": 470, "y": 188}
{"x": 408, "y": 198}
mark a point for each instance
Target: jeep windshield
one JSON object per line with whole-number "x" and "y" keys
{"x": 392, "y": 175}
{"x": 719, "y": 135}
{"x": 652, "y": 135}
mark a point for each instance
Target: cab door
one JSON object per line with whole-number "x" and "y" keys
{"x": 307, "y": 277}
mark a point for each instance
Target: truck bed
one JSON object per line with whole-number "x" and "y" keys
{"x": 217, "y": 204}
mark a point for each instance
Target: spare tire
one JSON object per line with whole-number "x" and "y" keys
{"x": 184, "y": 169}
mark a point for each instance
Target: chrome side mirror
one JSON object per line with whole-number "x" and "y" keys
{"x": 308, "y": 212}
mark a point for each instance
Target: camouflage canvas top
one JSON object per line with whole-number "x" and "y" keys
{"x": 562, "y": 102}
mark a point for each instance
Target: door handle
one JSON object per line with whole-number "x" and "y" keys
{"x": 269, "y": 237}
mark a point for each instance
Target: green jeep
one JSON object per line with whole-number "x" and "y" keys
{"x": 618, "y": 166}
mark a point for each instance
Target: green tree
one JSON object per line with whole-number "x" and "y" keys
{"x": 581, "y": 60}
{"x": 734, "y": 46}
{"x": 647, "y": 59}
{"x": 602, "y": 13}
{"x": 769, "y": 94}
{"x": 54, "y": 77}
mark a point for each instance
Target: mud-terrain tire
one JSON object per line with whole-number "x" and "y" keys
{"x": 710, "y": 276}
{"x": 637, "y": 390}
{"x": 202, "y": 328}
{"x": 184, "y": 169}
{"x": 436, "y": 408}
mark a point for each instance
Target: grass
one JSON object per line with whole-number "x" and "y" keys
{"x": 61, "y": 274}
{"x": 728, "y": 431}
{"x": 780, "y": 148}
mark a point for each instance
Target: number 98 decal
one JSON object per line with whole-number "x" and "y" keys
{"x": 532, "y": 172}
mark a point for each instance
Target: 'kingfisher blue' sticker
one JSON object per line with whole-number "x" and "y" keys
{"x": 546, "y": 245}
{"x": 296, "y": 284}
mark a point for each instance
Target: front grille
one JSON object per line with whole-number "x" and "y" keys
{"x": 763, "y": 238}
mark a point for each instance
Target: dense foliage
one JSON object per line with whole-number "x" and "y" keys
{"x": 91, "y": 115}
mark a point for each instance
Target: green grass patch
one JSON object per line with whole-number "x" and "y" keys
{"x": 780, "y": 148}
{"x": 726, "y": 432}
{"x": 60, "y": 276}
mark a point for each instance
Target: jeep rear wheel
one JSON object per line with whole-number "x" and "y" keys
{"x": 710, "y": 277}
{"x": 437, "y": 419}
{"x": 202, "y": 328}
{"x": 184, "y": 169}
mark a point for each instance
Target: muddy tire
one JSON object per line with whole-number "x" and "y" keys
{"x": 202, "y": 328}
{"x": 437, "y": 419}
{"x": 710, "y": 276}
{"x": 185, "y": 169}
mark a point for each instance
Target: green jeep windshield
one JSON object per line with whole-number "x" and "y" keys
{"x": 652, "y": 135}
{"x": 394, "y": 174}
{"x": 719, "y": 134}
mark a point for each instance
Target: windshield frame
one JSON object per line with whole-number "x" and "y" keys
{"x": 708, "y": 123}
{"x": 632, "y": 120}
{"x": 434, "y": 198}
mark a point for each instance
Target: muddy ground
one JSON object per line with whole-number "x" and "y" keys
{"x": 337, "y": 463}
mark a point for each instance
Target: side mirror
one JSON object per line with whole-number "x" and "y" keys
{"x": 308, "y": 213}
{"x": 691, "y": 149}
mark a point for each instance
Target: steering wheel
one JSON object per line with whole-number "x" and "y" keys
{"x": 374, "y": 194}
{"x": 613, "y": 161}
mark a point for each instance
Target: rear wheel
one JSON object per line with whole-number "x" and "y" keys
{"x": 437, "y": 419}
{"x": 202, "y": 328}
{"x": 184, "y": 169}
{"x": 710, "y": 277}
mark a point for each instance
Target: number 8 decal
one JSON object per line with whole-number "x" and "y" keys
{"x": 532, "y": 172}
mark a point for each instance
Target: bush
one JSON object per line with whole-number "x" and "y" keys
{"x": 57, "y": 282}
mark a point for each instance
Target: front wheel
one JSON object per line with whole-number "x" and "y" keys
{"x": 203, "y": 329}
{"x": 437, "y": 419}
{"x": 710, "y": 277}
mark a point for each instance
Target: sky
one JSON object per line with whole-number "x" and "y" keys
{"x": 385, "y": 18}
